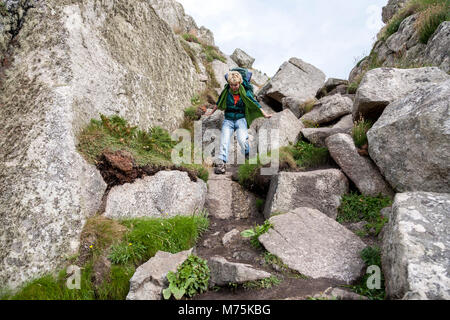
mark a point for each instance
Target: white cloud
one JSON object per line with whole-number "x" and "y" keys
{"x": 329, "y": 34}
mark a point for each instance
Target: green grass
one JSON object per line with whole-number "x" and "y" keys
{"x": 142, "y": 237}
{"x": 152, "y": 147}
{"x": 300, "y": 156}
{"x": 356, "y": 208}
{"x": 359, "y": 132}
{"x": 212, "y": 54}
{"x": 430, "y": 19}
{"x": 265, "y": 283}
{"x": 371, "y": 257}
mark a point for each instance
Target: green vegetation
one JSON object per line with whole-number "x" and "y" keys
{"x": 359, "y": 132}
{"x": 212, "y": 54}
{"x": 265, "y": 283}
{"x": 256, "y": 232}
{"x": 371, "y": 257}
{"x": 356, "y": 208}
{"x": 152, "y": 147}
{"x": 307, "y": 155}
{"x": 310, "y": 124}
{"x": 129, "y": 244}
{"x": 192, "y": 277}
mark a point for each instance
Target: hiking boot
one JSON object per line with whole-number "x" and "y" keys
{"x": 247, "y": 156}
{"x": 220, "y": 168}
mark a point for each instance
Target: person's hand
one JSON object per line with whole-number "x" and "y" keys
{"x": 268, "y": 116}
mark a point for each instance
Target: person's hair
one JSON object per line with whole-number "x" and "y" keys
{"x": 234, "y": 77}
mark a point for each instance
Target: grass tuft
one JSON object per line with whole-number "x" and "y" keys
{"x": 359, "y": 132}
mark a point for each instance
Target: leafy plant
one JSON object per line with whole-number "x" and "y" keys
{"x": 255, "y": 232}
{"x": 192, "y": 277}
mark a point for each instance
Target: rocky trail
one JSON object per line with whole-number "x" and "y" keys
{"x": 237, "y": 261}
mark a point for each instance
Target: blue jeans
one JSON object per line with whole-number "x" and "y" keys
{"x": 228, "y": 128}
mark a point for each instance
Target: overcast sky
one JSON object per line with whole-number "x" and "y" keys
{"x": 330, "y": 34}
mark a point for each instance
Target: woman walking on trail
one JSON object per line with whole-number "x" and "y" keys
{"x": 241, "y": 109}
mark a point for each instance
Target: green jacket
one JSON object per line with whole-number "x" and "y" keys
{"x": 251, "y": 106}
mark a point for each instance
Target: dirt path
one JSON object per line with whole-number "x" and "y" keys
{"x": 240, "y": 250}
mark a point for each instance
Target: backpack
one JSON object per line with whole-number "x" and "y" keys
{"x": 246, "y": 76}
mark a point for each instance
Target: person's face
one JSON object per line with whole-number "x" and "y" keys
{"x": 235, "y": 87}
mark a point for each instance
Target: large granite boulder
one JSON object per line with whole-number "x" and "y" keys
{"x": 224, "y": 272}
{"x": 164, "y": 195}
{"x": 150, "y": 279}
{"x": 361, "y": 170}
{"x": 295, "y": 80}
{"x": 410, "y": 143}
{"x": 317, "y": 136}
{"x": 242, "y": 58}
{"x": 416, "y": 247}
{"x": 381, "y": 86}
{"x": 320, "y": 189}
{"x": 329, "y": 108}
{"x": 315, "y": 245}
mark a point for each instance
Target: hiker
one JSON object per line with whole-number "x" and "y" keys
{"x": 241, "y": 109}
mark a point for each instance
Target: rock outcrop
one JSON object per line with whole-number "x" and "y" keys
{"x": 410, "y": 143}
{"x": 320, "y": 189}
{"x": 416, "y": 247}
{"x": 150, "y": 279}
{"x": 310, "y": 242}
{"x": 392, "y": 7}
{"x": 381, "y": 86}
{"x": 69, "y": 62}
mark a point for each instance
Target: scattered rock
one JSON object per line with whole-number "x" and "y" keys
{"x": 381, "y": 86}
{"x": 150, "y": 279}
{"x": 313, "y": 244}
{"x": 320, "y": 189}
{"x": 362, "y": 171}
{"x": 230, "y": 236}
{"x": 242, "y": 59}
{"x": 415, "y": 251}
{"x": 410, "y": 143}
{"x": 164, "y": 195}
{"x": 224, "y": 272}
{"x": 317, "y": 136}
{"x": 330, "y": 85}
{"x": 436, "y": 51}
{"x": 328, "y": 109}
